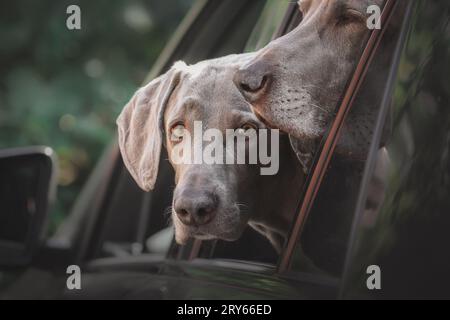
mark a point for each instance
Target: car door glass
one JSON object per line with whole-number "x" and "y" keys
{"x": 409, "y": 235}
{"x": 324, "y": 238}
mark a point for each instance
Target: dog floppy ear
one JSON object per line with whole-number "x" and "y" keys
{"x": 140, "y": 126}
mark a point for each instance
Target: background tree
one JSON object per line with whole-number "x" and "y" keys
{"x": 64, "y": 88}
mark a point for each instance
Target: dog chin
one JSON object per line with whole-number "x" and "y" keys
{"x": 182, "y": 236}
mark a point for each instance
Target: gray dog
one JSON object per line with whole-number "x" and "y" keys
{"x": 210, "y": 200}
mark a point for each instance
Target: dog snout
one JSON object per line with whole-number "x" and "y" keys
{"x": 253, "y": 80}
{"x": 195, "y": 208}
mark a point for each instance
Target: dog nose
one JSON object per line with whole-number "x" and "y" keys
{"x": 195, "y": 210}
{"x": 253, "y": 80}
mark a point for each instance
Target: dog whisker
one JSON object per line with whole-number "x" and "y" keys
{"x": 243, "y": 208}
{"x": 168, "y": 211}
{"x": 313, "y": 86}
{"x": 240, "y": 204}
{"x": 319, "y": 107}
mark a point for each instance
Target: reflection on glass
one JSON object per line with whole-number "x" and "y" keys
{"x": 409, "y": 237}
{"x": 324, "y": 240}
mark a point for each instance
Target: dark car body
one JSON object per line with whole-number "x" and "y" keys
{"x": 408, "y": 238}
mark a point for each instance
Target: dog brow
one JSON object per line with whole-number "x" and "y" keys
{"x": 184, "y": 107}
{"x": 190, "y": 102}
{"x": 354, "y": 5}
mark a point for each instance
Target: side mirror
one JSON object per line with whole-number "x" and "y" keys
{"x": 27, "y": 185}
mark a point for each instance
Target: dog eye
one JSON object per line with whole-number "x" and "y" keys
{"x": 351, "y": 16}
{"x": 177, "y": 132}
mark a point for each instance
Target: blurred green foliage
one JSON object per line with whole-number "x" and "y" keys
{"x": 64, "y": 88}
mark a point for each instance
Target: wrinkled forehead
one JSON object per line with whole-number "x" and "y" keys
{"x": 206, "y": 91}
{"x": 213, "y": 79}
{"x": 210, "y": 82}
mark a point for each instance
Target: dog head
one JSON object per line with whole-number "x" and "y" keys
{"x": 296, "y": 81}
{"x": 207, "y": 197}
